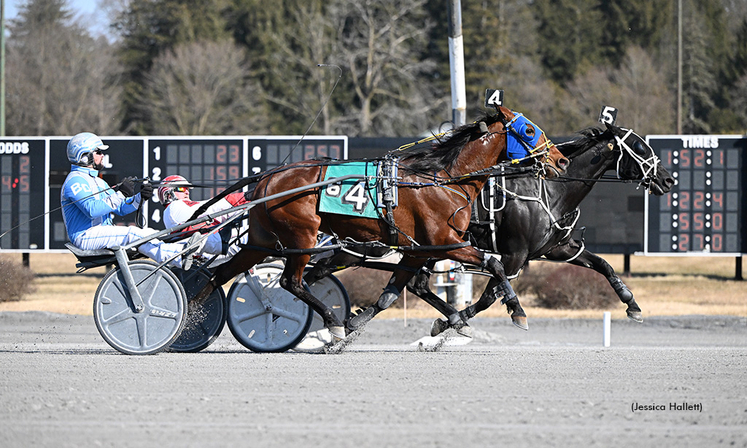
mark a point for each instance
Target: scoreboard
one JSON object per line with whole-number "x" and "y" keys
{"x": 22, "y": 192}
{"x": 704, "y": 212}
{"x": 33, "y": 169}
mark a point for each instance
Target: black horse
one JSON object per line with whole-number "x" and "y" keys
{"x": 537, "y": 219}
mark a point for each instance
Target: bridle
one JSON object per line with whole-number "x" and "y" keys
{"x": 648, "y": 166}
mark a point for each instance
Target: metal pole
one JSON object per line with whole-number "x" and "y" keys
{"x": 2, "y": 68}
{"x": 456, "y": 63}
{"x": 679, "y": 66}
{"x": 462, "y": 292}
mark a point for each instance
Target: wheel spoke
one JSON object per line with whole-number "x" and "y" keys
{"x": 123, "y": 315}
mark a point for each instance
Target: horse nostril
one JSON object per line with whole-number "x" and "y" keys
{"x": 564, "y": 163}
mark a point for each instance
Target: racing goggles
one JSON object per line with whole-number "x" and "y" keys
{"x": 181, "y": 189}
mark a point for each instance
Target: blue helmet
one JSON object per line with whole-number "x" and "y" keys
{"x": 80, "y": 147}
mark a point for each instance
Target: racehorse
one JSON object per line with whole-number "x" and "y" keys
{"x": 536, "y": 217}
{"x": 436, "y": 188}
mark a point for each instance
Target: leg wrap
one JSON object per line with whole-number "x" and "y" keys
{"x": 506, "y": 290}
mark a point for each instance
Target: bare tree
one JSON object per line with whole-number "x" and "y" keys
{"x": 59, "y": 80}
{"x": 637, "y": 88}
{"x": 202, "y": 88}
{"x": 378, "y": 44}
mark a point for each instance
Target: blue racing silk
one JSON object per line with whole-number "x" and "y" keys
{"x": 521, "y": 144}
{"x": 88, "y": 201}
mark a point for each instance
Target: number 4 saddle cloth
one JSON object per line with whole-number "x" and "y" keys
{"x": 360, "y": 197}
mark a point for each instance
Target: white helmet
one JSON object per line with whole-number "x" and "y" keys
{"x": 166, "y": 190}
{"x": 80, "y": 147}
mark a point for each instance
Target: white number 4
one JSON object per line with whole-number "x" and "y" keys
{"x": 356, "y": 197}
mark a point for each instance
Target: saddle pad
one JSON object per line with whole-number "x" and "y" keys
{"x": 353, "y": 197}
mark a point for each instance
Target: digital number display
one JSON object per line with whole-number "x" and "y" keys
{"x": 32, "y": 172}
{"x": 22, "y": 189}
{"x": 210, "y": 164}
{"x": 703, "y": 212}
{"x": 269, "y": 152}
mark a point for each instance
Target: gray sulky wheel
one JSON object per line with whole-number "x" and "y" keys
{"x": 263, "y": 316}
{"x": 156, "y": 326}
{"x": 331, "y": 292}
{"x": 206, "y": 320}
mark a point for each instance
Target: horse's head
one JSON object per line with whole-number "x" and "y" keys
{"x": 637, "y": 161}
{"x": 527, "y": 141}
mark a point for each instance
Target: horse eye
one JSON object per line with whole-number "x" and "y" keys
{"x": 530, "y": 131}
{"x": 638, "y": 149}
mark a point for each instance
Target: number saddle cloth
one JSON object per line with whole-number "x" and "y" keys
{"x": 363, "y": 197}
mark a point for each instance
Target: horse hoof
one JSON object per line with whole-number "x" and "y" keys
{"x": 635, "y": 316}
{"x": 521, "y": 322}
{"x": 338, "y": 333}
{"x": 438, "y": 327}
{"x": 361, "y": 319}
{"x": 464, "y": 330}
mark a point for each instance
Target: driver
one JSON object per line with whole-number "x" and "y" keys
{"x": 174, "y": 195}
{"x": 88, "y": 203}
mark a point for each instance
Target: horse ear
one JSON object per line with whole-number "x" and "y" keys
{"x": 611, "y": 127}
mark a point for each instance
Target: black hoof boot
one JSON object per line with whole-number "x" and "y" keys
{"x": 361, "y": 318}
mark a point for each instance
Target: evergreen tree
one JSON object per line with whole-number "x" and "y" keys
{"x": 59, "y": 80}
{"x": 147, "y": 28}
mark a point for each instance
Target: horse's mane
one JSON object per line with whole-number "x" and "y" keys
{"x": 587, "y": 137}
{"x": 442, "y": 154}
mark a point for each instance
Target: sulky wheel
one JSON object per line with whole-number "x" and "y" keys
{"x": 331, "y": 292}
{"x": 156, "y": 326}
{"x": 262, "y": 315}
{"x": 205, "y": 320}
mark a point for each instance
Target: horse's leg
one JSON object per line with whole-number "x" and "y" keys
{"x": 292, "y": 281}
{"x": 397, "y": 282}
{"x": 420, "y": 286}
{"x": 498, "y": 286}
{"x": 241, "y": 262}
{"x": 592, "y": 261}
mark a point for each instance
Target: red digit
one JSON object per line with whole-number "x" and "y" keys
{"x": 23, "y": 166}
{"x": 233, "y": 154}
{"x": 684, "y": 200}
{"x": 698, "y": 241}
{"x": 233, "y": 171}
{"x": 718, "y": 221}
{"x": 684, "y": 242}
{"x": 684, "y": 220}
{"x": 698, "y": 222}
{"x": 699, "y": 200}
{"x": 699, "y": 158}
{"x": 220, "y": 154}
{"x": 717, "y": 243}
{"x": 685, "y": 158}
{"x": 718, "y": 201}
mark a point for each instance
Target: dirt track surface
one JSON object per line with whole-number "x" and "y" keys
{"x": 556, "y": 385}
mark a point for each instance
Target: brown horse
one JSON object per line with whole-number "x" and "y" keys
{"x": 436, "y": 187}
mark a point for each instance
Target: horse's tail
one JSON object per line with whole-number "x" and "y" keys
{"x": 251, "y": 182}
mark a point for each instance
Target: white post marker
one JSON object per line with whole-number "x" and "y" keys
{"x": 606, "y": 326}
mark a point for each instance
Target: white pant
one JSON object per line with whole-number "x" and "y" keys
{"x": 214, "y": 246}
{"x": 107, "y": 237}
